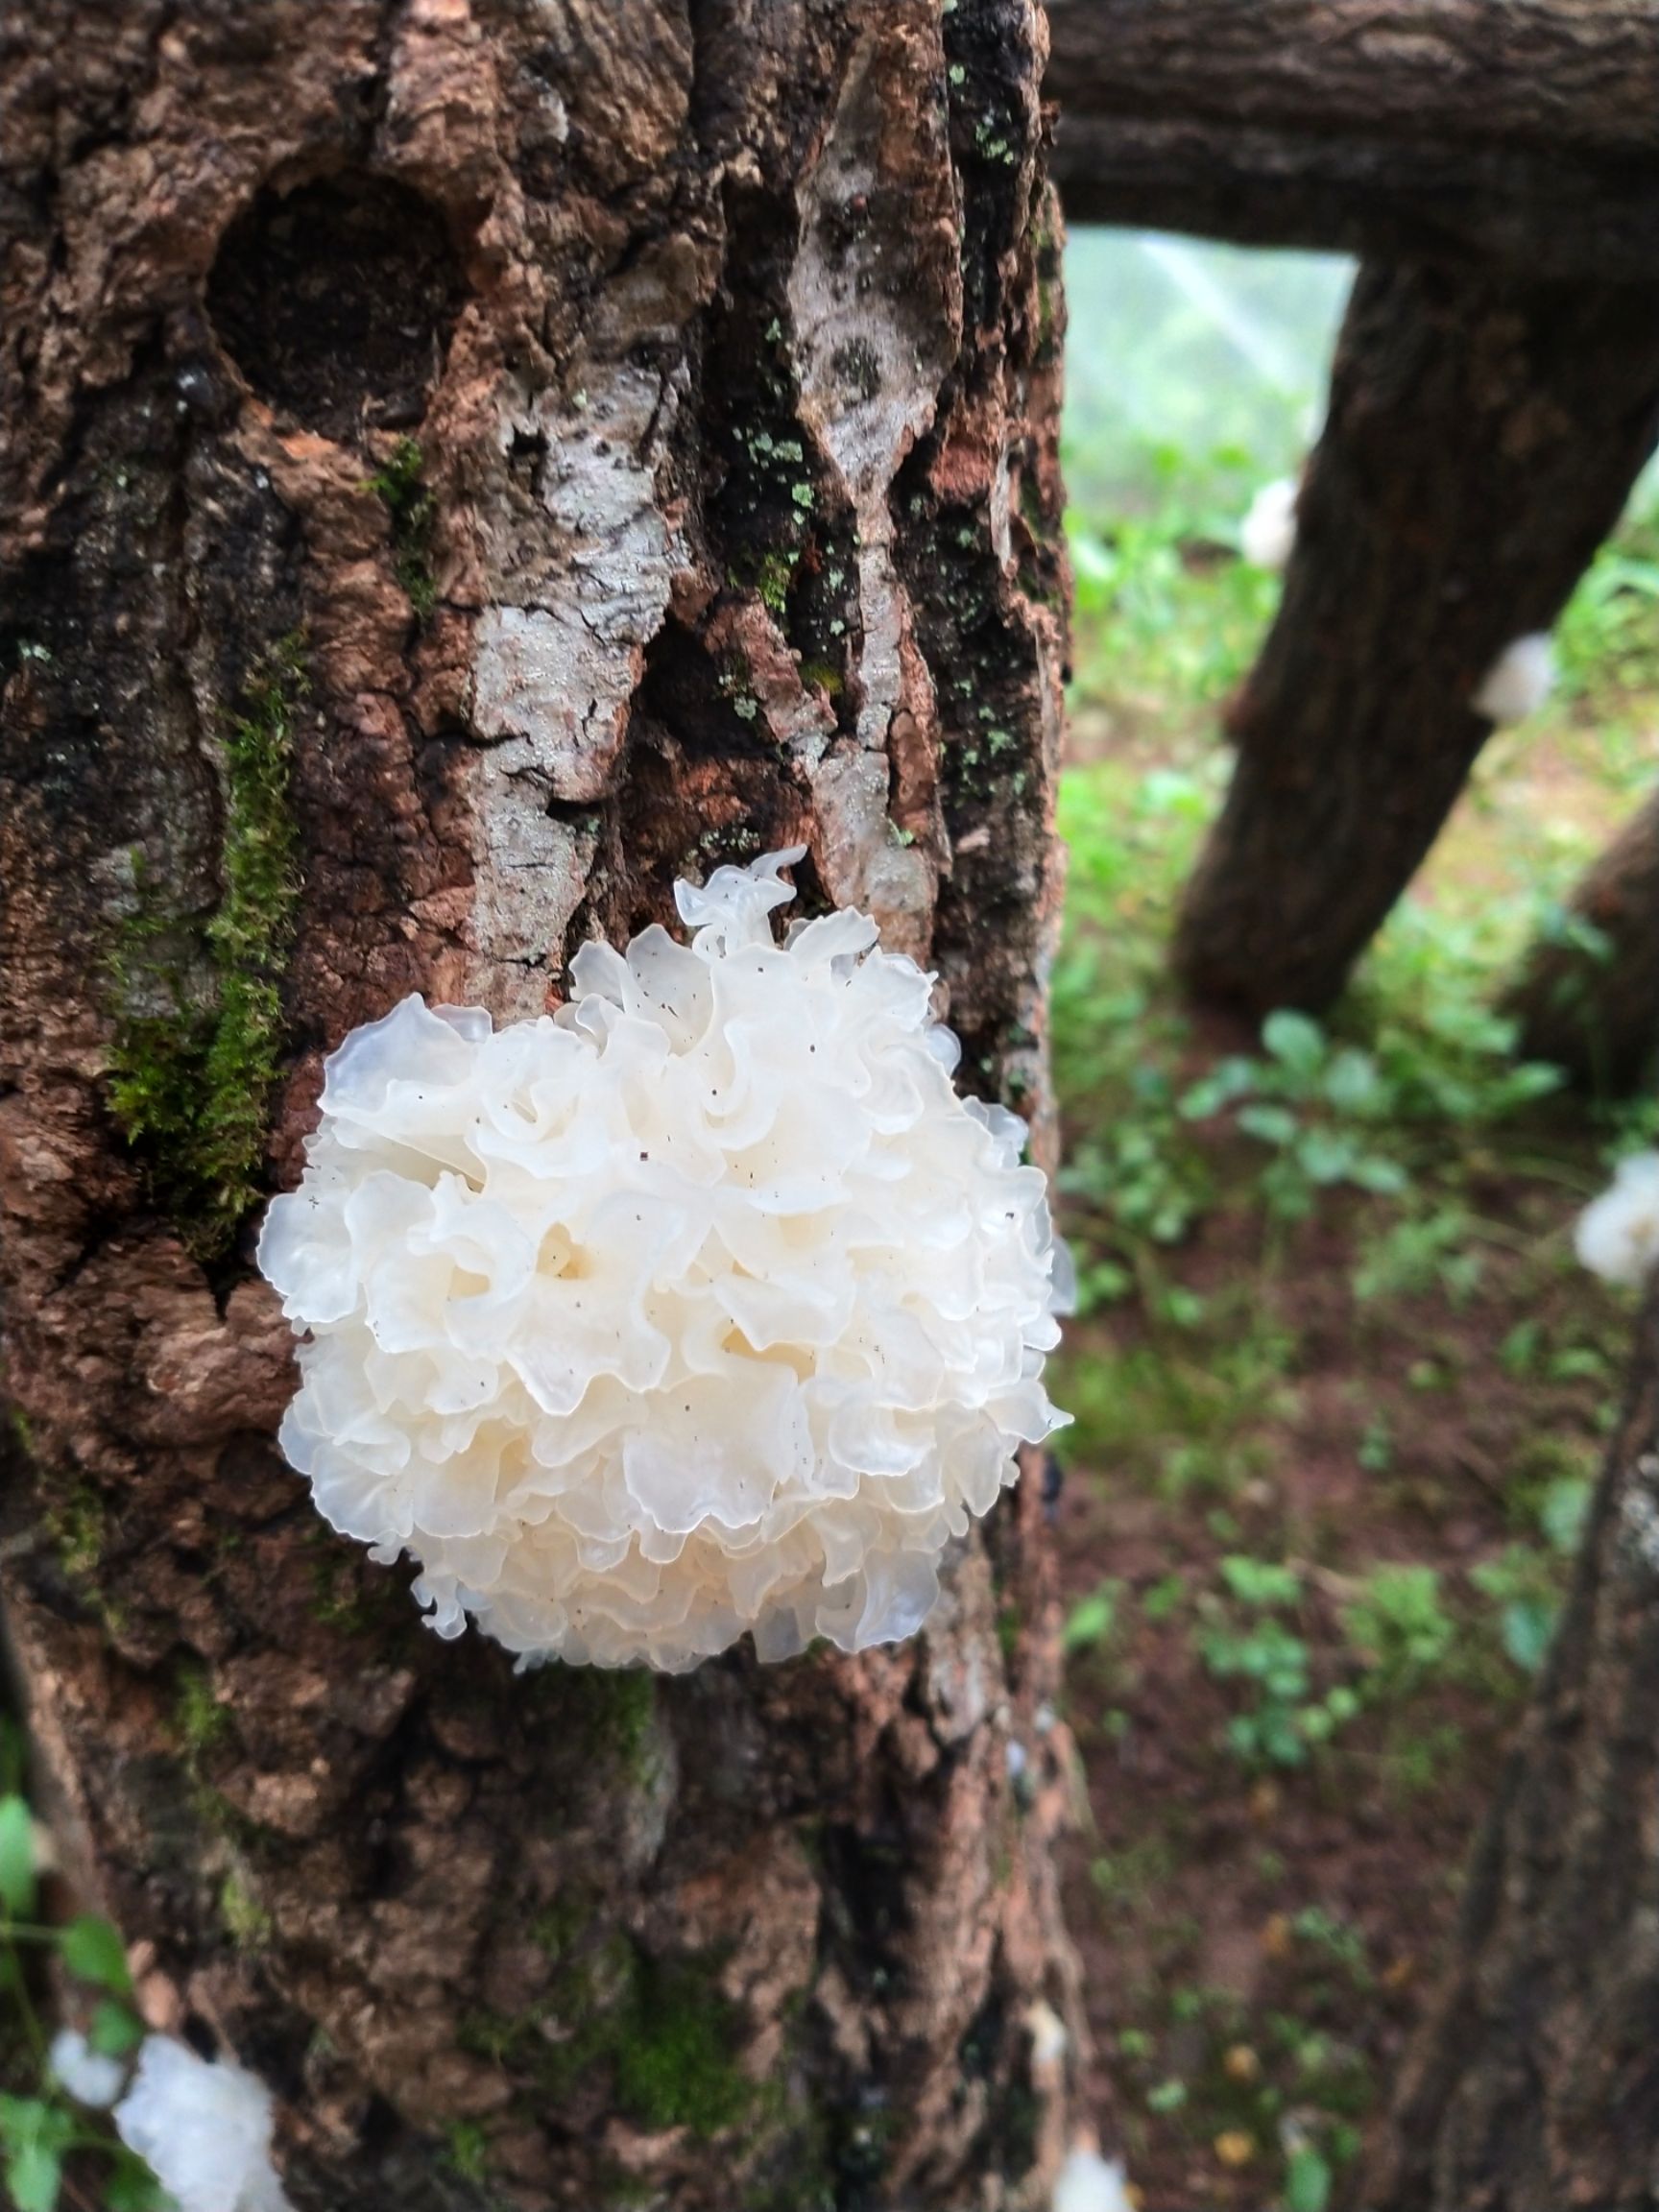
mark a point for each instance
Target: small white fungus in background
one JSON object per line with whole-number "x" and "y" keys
{"x": 1267, "y": 533}
{"x": 1519, "y": 681}
{"x": 703, "y": 1306}
{"x": 91, "y": 2077}
{"x": 1090, "y": 2183}
{"x": 204, "y": 2130}
{"x": 1618, "y": 1234}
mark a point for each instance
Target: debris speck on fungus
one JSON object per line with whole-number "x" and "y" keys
{"x": 705, "y": 1305}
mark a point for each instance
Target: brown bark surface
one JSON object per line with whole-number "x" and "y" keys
{"x": 1593, "y": 1008}
{"x": 725, "y": 340}
{"x": 1480, "y": 441}
{"x": 1535, "y": 2083}
{"x": 1526, "y": 132}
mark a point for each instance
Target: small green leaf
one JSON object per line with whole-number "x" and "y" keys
{"x": 1272, "y": 1124}
{"x": 1372, "y": 1172}
{"x": 36, "y": 2135}
{"x": 93, "y": 1951}
{"x": 114, "y": 2031}
{"x": 1326, "y": 1156}
{"x": 1528, "y": 1627}
{"x": 1295, "y": 1041}
{"x": 1565, "y": 1510}
{"x": 1351, "y": 1081}
{"x": 1307, "y": 2182}
{"x": 16, "y": 1858}
{"x": 34, "y": 2178}
{"x": 131, "y": 2187}
{"x": 1091, "y": 1620}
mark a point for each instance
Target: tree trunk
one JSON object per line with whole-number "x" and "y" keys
{"x": 1592, "y": 1004}
{"x": 1482, "y": 440}
{"x": 1526, "y": 134}
{"x": 468, "y": 464}
{"x": 1535, "y": 2083}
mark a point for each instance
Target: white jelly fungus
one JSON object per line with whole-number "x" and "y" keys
{"x": 703, "y": 1306}
{"x": 203, "y": 2129}
{"x": 1618, "y": 1234}
{"x": 1267, "y": 533}
{"x": 1090, "y": 2183}
{"x": 1519, "y": 681}
{"x": 91, "y": 2077}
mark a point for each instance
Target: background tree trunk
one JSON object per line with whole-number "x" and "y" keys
{"x": 1524, "y": 133}
{"x": 1593, "y": 1008}
{"x": 1534, "y": 2082}
{"x": 1481, "y": 442}
{"x": 468, "y": 465}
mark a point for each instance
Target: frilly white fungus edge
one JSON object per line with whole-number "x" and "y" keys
{"x": 702, "y": 1306}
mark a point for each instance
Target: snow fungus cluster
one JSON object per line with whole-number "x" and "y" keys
{"x": 704, "y": 1306}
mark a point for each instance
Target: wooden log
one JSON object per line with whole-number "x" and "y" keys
{"x": 1534, "y": 2082}
{"x": 1592, "y": 1004}
{"x": 1482, "y": 440}
{"x": 1522, "y": 132}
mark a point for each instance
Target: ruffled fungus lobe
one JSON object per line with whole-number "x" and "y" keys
{"x": 702, "y": 1306}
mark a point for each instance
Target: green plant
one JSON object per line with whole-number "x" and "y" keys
{"x": 1522, "y": 1587}
{"x": 1315, "y": 1105}
{"x": 1241, "y": 1639}
{"x": 1400, "y": 1627}
{"x": 41, "y": 2129}
{"x": 1091, "y": 1620}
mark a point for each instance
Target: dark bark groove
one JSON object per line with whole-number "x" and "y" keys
{"x": 1480, "y": 441}
{"x": 559, "y": 450}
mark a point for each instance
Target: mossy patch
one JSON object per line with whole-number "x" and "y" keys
{"x": 247, "y": 1922}
{"x": 413, "y": 513}
{"x": 661, "y": 2030}
{"x": 189, "y": 1085}
{"x": 202, "y": 1721}
{"x": 673, "y": 2067}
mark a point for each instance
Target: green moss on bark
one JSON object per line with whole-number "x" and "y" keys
{"x": 414, "y": 514}
{"x": 190, "y": 1085}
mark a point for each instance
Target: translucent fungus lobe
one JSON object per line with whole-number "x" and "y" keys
{"x": 703, "y": 1306}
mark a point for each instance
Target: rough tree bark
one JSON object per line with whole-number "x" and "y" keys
{"x": 1594, "y": 1008}
{"x": 1524, "y": 133}
{"x": 1534, "y": 2082}
{"x": 1480, "y": 441}
{"x": 470, "y": 462}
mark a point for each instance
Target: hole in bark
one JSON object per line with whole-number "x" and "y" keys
{"x": 336, "y": 301}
